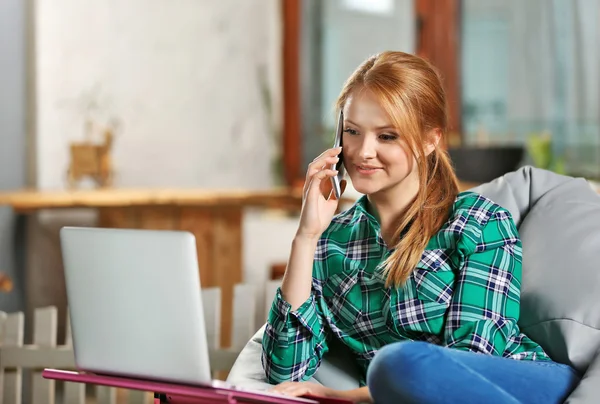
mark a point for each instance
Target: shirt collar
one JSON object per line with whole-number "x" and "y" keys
{"x": 362, "y": 206}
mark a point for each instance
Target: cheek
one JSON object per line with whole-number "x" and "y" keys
{"x": 396, "y": 159}
{"x": 349, "y": 148}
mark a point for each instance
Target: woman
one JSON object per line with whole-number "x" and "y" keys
{"x": 411, "y": 269}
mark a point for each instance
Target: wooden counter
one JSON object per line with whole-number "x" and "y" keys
{"x": 214, "y": 217}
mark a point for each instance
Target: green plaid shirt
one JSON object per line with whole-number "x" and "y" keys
{"x": 464, "y": 293}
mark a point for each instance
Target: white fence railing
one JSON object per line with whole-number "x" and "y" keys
{"x": 15, "y": 357}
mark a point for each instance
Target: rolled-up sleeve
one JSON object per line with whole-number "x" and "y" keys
{"x": 294, "y": 342}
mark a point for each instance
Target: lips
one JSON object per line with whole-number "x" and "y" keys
{"x": 366, "y": 169}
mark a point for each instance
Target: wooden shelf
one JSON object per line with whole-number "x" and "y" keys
{"x": 30, "y": 200}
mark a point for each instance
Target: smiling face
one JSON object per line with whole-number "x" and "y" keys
{"x": 376, "y": 156}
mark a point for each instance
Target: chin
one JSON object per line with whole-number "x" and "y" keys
{"x": 366, "y": 187}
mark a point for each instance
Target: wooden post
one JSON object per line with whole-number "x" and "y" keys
{"x": 292, "y": 142}
{"x": 117, "y": 218}
{"x": 438, "y": 40}
{"x": 227, "y": 263}
{"x": 44, "y": 335}
{"x": 157, "y": 217}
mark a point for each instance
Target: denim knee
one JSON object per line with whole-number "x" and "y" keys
{"x": 397, "y": 370}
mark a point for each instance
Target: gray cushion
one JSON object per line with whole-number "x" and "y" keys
{"x": 561, "y": 283}
{"x": 559, "y": 222}
{"x": 588, "y": 390}
{"x": 518, "y": 191}
{"x": 338, "y": 370}
{"x": 247, "y": 370}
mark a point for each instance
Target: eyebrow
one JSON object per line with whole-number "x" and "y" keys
{"x": 378, "y": 128}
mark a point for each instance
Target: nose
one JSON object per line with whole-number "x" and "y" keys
{"x": 367, "y": 148}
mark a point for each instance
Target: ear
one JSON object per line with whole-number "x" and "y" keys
{"x": 433, "y": 138}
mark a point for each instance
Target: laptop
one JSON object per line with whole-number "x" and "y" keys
{"x": 135, "y": 306}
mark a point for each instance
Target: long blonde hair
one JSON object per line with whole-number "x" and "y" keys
{"x": 410, "y": 91}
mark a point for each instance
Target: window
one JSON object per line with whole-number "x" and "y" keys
{"x": 532, "y": 69}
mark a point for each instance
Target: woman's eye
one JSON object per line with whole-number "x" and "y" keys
{"x": 387, "y": 137}
{"x": 351, "y": 131}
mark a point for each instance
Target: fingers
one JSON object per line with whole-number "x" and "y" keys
{"x": 334, "y": 151}
{"x": 322, "y": 174}
{"x": 292, "y": 389}
{"x": 315, "y": 182}
{"x": 328, "y": 157}
{"x": 319, "y": 165}
{"x": 297, "y": 391}
{"x": 316, "y": 166}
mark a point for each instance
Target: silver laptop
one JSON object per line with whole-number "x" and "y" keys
{"x": 135, "y": 304}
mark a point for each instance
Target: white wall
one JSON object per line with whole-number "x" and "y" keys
{"x": 182, "y": 75}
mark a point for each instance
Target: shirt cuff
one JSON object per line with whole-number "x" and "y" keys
{"x": 284, "y": 318}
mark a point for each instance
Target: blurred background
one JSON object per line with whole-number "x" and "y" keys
{"x": 225, "y": 102}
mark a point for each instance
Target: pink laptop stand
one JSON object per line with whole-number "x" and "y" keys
{"x": 173, "y": 393}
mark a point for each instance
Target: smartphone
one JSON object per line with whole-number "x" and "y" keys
{"x": 337, "y": 180}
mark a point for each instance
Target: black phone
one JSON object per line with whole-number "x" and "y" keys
{"x": 337, "y": 180}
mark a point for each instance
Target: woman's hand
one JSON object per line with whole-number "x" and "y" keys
{"x": 297, "y": 389}
{"x": 319, "y": 203}
{"x": 318, "y": 208}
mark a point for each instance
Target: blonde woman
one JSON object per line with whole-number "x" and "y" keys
{"x": 419, "y": 281}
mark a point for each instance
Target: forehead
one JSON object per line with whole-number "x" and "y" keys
{"x": 363, "y": 108}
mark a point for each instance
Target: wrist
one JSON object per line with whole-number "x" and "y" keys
{"x": 306, "y": 239}
{"x": 357, "y": 396}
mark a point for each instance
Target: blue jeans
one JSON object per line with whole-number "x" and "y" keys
{"x": 420, "y": 372}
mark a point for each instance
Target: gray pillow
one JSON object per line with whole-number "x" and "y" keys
{"x": 560, "y": 295}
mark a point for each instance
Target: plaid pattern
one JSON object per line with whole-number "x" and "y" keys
{"x": 464, "y": 293}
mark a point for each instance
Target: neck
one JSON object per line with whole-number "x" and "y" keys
{"x": 390, "y": 205}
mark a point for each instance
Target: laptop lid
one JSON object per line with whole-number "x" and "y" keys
{"x": 135, "y": 304}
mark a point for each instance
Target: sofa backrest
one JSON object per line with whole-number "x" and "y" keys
{"x": 559, "y": 222}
